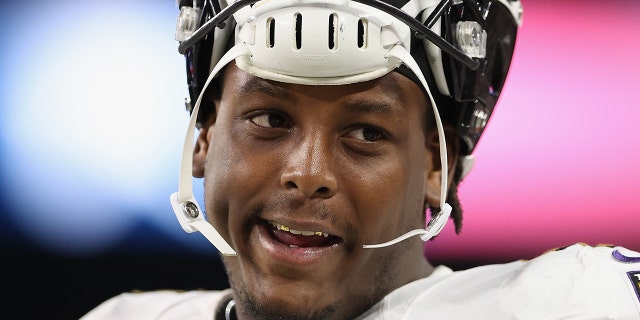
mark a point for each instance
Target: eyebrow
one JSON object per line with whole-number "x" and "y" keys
{"x": 258, "y": 85}
{"x": 368, "y": 106}
{"x": 255, "y": 85}
{"x": 385, "y": 106}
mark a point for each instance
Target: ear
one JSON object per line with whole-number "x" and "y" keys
{"x": 201, "y": 147}
{"x": 433, "y": 178}
{"x": 210, "y": 103}
{"x": 200, "y": 152}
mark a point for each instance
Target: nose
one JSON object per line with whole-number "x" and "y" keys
{"x": 310, "y": 169}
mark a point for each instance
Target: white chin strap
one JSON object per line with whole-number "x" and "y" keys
{"x": 184, "y": 204}
{"x": 192, "y": 219}
{"x": 438, "y": 220}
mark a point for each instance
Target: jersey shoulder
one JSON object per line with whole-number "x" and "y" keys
{"x": 578, "y": 281}
{"x": 161, "y": 304}
{"x": 581, "y": 257}
{"x": 592, "y": 280}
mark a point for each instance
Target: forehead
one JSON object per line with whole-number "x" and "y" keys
{"x": 391, "y": 89}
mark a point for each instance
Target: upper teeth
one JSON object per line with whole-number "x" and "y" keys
{"x": 300, "y": 232}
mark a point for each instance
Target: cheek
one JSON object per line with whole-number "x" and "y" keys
{"x": 235, "y": 172}
{"x": 390, "y": 197}
{"x": 223, "y": 169}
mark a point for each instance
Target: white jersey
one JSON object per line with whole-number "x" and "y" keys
{"x": 577, "y": 282}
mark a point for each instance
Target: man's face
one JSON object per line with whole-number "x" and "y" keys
{"x": 298, "y": 178}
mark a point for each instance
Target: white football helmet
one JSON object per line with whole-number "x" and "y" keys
{"x": 458, "y": 51}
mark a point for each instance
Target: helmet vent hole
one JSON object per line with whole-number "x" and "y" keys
{"x": 271, "y": 28}
{"x": 298, "y": 32}
{"x": 333, "y": 30}
{"x": 362, "y": 33}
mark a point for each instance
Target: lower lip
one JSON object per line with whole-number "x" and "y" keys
{"x": 295, "y": 256}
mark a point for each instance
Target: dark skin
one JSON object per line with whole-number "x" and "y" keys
{"x": 350, "y": 165}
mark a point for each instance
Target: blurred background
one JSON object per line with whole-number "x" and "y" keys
{"x": 92, "y": 121}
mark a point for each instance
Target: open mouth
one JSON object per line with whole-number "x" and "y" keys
{"x": 301, "y": 238}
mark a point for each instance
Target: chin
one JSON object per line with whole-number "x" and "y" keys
{"x": 284, "y": 306}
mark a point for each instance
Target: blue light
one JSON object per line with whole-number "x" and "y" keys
{"x": 91, "y": 120}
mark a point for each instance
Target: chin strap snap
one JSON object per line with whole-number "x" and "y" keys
{"x": 192, "y": 219}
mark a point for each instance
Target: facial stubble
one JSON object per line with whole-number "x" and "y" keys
{"x": 381, "y": 285}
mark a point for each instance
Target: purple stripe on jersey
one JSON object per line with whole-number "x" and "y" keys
{"x": 622, "y": 258}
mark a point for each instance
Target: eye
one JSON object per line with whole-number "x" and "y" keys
{"x": 270, "y": 120}
{"x": 366, "y": 134}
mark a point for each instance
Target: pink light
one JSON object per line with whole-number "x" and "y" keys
{"x": 557, "y": 164}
